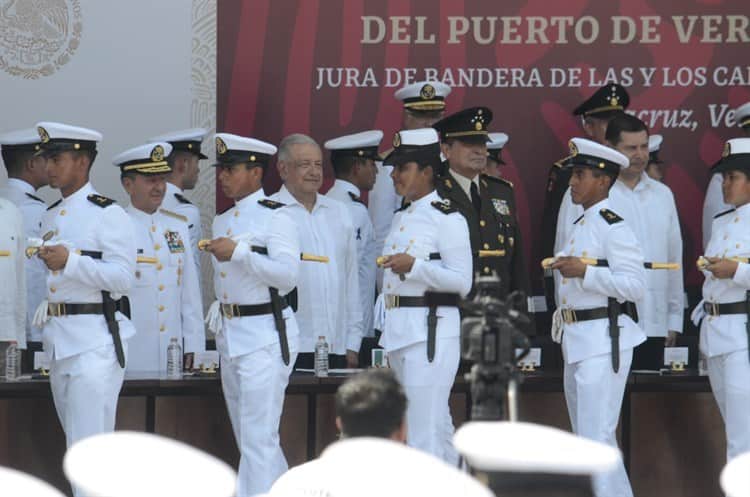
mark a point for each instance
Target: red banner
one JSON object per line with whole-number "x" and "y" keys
{"x": 330, "y": 67}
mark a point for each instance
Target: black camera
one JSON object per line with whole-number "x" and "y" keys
{"x": 490, "y": 336}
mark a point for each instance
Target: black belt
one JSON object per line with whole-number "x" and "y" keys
{"x": 435, "y": 301}
{"x": 236, "y": 310}
{"x": 571, "y": 316}
{"x": 438, "y": 300}
{"x": 714, "y": 309}
{"x": 60, "y": 309}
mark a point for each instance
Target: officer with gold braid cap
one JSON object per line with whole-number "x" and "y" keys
{"x": 165, "y": 299}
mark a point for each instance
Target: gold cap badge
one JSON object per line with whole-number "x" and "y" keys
{"x": 427, "y": 92}
{"x": 43, "y": 134}
{"x": 221, "y": 147}
{"x": 396, "y": 140}
{"x": 157, "y": 154}
{"x": 573, "y": 148}
{"x": 727, "y": 150}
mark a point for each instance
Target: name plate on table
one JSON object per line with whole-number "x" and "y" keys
{"x": 207, "y": 361}
{"x": 532, "y": 360}
{"x": 676, "y": 358}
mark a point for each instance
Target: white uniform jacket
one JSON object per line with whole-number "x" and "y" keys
{"x": 88, "y": 223}
{"x": 32, "y": 211}
{"x": 246, "y": 278}
{"x": 730, "y": 237}
{"x": 601, "y": 234}
{"x": 419, "y": 230}
{"x": 165, "y": 301}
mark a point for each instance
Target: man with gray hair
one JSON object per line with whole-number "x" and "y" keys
{"x": 325, "y": 228}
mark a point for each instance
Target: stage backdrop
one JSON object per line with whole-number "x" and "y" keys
{"x": 330, "y": 67}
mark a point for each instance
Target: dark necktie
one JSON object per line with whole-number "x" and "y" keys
{"x": 475, "y": 200}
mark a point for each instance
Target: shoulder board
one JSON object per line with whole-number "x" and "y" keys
{"x": 610, "y": 216}
{"x": 495, "y": 179}
{"x": 220, "y": 212}
{"x": 100, "y": 200}
{"x": 34, "y": 197}
{"x": 181, "y": 198}
{"x": 54, "y": 205}
{"x": 271, "y": 204}
{"x": 724, "y": 213}
{"x": 356, "y": 198}
{"x": 579, "y": 218}
{"x": 174, "y": 215}
{"x": 444, "y": 207}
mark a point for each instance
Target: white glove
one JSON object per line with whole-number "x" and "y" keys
{"x": 698, "y": 314}
{"x": 557, "y": 326}
{"x": 213, "y": 318}
{"x": 40, "y": 315}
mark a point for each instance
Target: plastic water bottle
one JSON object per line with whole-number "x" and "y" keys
{"x": 12, "y": 368}
{"x": 174, "y": 359}
{"x": 321, "y": 357}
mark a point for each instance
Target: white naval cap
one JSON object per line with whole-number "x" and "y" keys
{"x": 654, "y": 145}
{"x": 495, "y": 146}
{"x": 735, "y": 477}
{"x": 148, "y": 159}
{"x": 59, "y": 137}
{"x": 419, "y": 145}
{"x": 516, "y": 458}
{"x": 531, "y": 448}
{"x": 742, "y": 115}
{"x": 364, "y": 145}
{"x": 423, "y": 95}
{"x": 234, "y": 149}
{"x": 125, "y": 464}
{"x": 185, "y": 140}
{"x": 345, "y": 467}
{"x": 736, "y": 156}
{"x": 588, "y": 153}
{"x": 21, "y": 139}
{"x": 16, "y": 483}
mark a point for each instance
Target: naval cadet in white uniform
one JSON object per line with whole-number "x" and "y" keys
{"x": 725, "y": 308}
{"x": 714, "y": 201}
{"x": 597, "y": 307}
{"x": 427, "y": 250}
{"x": 13, "y": 290}
{"x": 91, "y": 263}
{"x": 353, "y": 159}
{"x": 256, "y": 261}
{"x": 423, "y": 105}
{"x": 27, "y": 173}
{"x": 183, "y": 161}
{"x": 165, "y": 299}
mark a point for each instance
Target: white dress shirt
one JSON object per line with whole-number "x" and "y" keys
{"x": 175, "y": 201}
{"x": 13, "y": 289}
{"x": 245, "y": 279}
{"x": 165, "y": 301}
{"x": 713, "y": 204}
{"x": 464, "y": 182}
{"x": 328, "y": 294}
{"x": 419, "y": 230}
{"x": 81, "y": 224}
{"x": 32, "y": 210}
{"x": 624, "y": 279}
{"x": 382, "y": 202}
{"x": 649, "y": 210}
{"x": 364, "y": 238}
{"x": 730, "y": 237}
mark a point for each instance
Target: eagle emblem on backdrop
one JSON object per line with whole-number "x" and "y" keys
{"x": 38, "y": 36}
